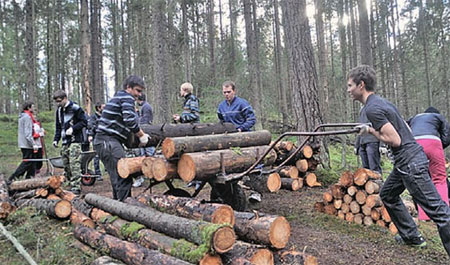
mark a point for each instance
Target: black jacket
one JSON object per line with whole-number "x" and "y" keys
{"x": 430, "y": 124}
{"x": 92, "y": 124}
{"x": 70, "y": 116}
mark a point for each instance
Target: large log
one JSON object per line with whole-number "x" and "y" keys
{"x": 289, "y": 172}
{"x": 35, "y": 193}
{"x": 302, "y": 165}
{"x": 193, "y": 209}
{"x": 311, "y": 180}
{"x": 346, "y": 179}
{"x": 293, "y": 257}
{"x": 291, "y": 184}
{"x": 205, "y": 165}
{"x": 163, "y": 169}
{"x": 54, "y": 208}
{"x": 175, "y": 147}
{"x": 159, "y": 132}
{"x": 129, "y": 165}
{"x": 257, "y": 255}
{"x": 264, "y": 183}
{"x": 130, "y": 253}
{"x": 337, "y": 191}
{"x": 77, "y": 203}
{"x": 34, "y": 183}
{"x": 78, "y": 218}
{"x": 269, "y": 230}
{"x": 373, "y": 186}
{"x": 221, "y": 237}
{"x": 6, "y": 204}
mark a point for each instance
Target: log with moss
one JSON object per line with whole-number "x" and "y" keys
{"x": 264, "y": 183}
{"x": 190, "y": 208}
{"x": 6, "y": 204}
{"x": 256, "y": 254}
{"x": 54, "y": 208}
{"x": 128, "y": 252}
{"x": 53, "y": 182}
{"x": 265, "y": 229}
{"x": 219, "y": 237}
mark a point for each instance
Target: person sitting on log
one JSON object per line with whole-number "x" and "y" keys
{"x": 410, "y": 167}
{"x": 191, "y": 110}
{"x": 70, "y": 122}
{"x": 235, "y": 109}
{"x": 118, "y": 121}
{"x": 92, "y": 130}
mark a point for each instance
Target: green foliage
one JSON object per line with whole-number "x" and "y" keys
{"x": 187, "y": 251}
{"x": 130, "y": 230}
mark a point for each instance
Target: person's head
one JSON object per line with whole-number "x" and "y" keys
{"x": 432, "y": 110}
{"x": 360, "y": 81}
{"x": 185, "y": 89}
{"x": 141, "y": 99}
{"x": 99, "y": 107}
{"x": 28, "y": 105}
{"x": 229, "y": 90}
{"x": 60, "y": 98}
{"x": 134, "y": 85}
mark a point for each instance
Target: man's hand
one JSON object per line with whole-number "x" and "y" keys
{"x": 55, "y": 144}
{"x": 90, "y": 138}
{"x": 144, "y": 139}
{"x": 69, "y": 131}
{"x": 363, "y": 129}
{"x": 35, "y": 148}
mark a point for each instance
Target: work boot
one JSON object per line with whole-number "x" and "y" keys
{"x": 418, "y": 242}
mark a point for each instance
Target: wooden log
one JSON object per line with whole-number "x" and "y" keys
{"x": 329, "y": 209}
{"x": 367, "y": 221}
{"x": 337, "y": 204}
{"x": 77, "y": 203}
{"x": 34, "y": 183}
{"x": 130, "y": 253}
{"x": 319, "y": 206}
{"x": 381, "y": 223}
{"x": 360, "y": 177}
{"x": 358, "y": 218}
{"x": 6, "y": 204}
{"x": 337, "y": 191}
{"x": 78, "y": 218}
{"x": 366, "y": 210}
{"x": 313, "y": 163}
{"x": 222, "y": 236}
{"x": 311, "y": 180}
{"x": 264, "y": 183}
{"x": 375, "y": 213}
{"x": 105, "y": 260}
{"x": 146, "y": 167}
{"x": 284, "y": 146}
{"x": 175, "y": 147}
{"x": 35, "y": 193}
{"x": 163, "y": 169}
{"x": 256, "y": 254}
{"x": 349, "y": 217}
{"x": 302, "y": 165}
{"x": 190, "y": 208}
{"x": 354, "y": 207}
{"x": 307, "y": 151}
{"x": 289, "y": 172}
{"x": 373, "y": 200}
{"x": 385, "y": 215}
{"x": 352, "y": 190}
{"x": 345, "y": 207}
{"x": 290, "y": 184}
{"x": 54, "y": 208}
{"x": 265, "y": 229}
{"x": 293, "y": 257}
{"x": 372, "y": 186}
{"x": 205, "y": 165}
{"x": 361, "y": 196}
{"x": 327, "y": 197}
{"x": 129, "y": 165}
{"x": 53, "y": 197}
{"x": 346, "y": 179}
{"x": 347, "y": 198}
{"x": 392, "y": 228}
{"x": 341, "y": 215}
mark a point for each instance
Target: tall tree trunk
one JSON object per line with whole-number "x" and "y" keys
{"x": 211, "y": 43}
{"x": 354, "y": 49}
{"x": 115, "y": 40}
{"x": 344, "y": 69}
{"x": 231, "y": 63}
{"x": 85, "y": 55}
{"x": 423, "y": 37}
{"x": 400, "y": 54}
{"x": 364, "y": 34}
{"x": 96, "y": 58}
{"x": 186, "y": 47}
{"x": 322, "y": 54}
{"x": 30, "y": 65}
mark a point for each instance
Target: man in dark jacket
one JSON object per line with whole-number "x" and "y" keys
{"x": 70, "y": 122}
{"x": 118, "y": 122}
{"x": 410, "y": 167}
{"x": 191, "y": 109}
{"x": 91, "y": 131}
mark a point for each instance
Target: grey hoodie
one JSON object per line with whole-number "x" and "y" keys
{"x": 25, "y": 132}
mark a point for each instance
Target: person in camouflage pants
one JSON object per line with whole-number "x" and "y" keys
{"x": 70, "y": 123}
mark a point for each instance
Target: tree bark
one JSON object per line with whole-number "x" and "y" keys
{"x": 35, "y": 193}
{"x": 364, "y": 34}
{"x": 175, "y": 147}
{"x": 55, "y": 208}
{"x": 30, "y": 50}
{"x": 203, "y": 166}
{"x": 129, "y": 165}
{"x": 264, "y": 183}
{"x": 78, "y": 218}
{"x": 28, "y": 184}
{"x": 289, "y": 172}
{"x": 85, "y": 55}
{"x": 222, "y": 239}
{"x": 130, "y": 253}
{"x": 291, "y": 184}
{"x": 254, "y": 253}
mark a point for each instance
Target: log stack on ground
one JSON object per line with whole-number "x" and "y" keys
{"x": 6, "y": 204}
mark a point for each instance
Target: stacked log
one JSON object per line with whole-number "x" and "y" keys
{"x": 355, "y": 198}
{"x": 6, "y": 204}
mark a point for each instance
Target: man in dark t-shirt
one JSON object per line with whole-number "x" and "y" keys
{"x": 410, "y": 162}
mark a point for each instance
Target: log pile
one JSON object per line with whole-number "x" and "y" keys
{"x": 355, "y": 198}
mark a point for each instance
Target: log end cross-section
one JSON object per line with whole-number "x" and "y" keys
{"x": 223, "y": 215}
{"x": 280, "y": 231}
{"x": 223, "y": 239}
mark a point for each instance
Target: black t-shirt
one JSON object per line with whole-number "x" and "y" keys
{"x": 380, "y": 111}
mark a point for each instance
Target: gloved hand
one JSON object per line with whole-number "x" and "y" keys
{"x": 356, "y": 151}
{"x": 363, "y": 129}
{"x": 144, "y": 139}
{"x": 90, "y": 138}
{"x": 35, "y": 148}
{"x": 55, "y": 144}
{"x": 69, "y": 131}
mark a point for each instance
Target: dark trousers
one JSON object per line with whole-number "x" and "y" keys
{"x": 110, "y": 150}
{"x": 370, "y": 156}
{"x": 26, "y": 166}
{"x": 413, "y": 175}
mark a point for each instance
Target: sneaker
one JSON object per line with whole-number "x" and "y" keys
{"x": 418, "y": 242}
{"x": 138, "y": 182}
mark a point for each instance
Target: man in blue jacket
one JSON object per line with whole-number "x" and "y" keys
{"x": 235, "y": 109}
{"x": 70, "y": 122}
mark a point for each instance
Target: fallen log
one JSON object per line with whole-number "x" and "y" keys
{"x": 6, "y": 204}
{"x": 341, "y": 215}
{"x": 163, "y": 170}
{"x": 327, "y": 197}
{"x": 284, "y": 146}
{"x": 352, "y": 190}
{"x": 302, "y": 165}
{"x": 355, "y": 207}
{"x": 349, "y": 217}
{"x": 293, "y": 257}
{"x": 362, "y": 175}
{"x": 257, "y": 255}
{"x": 269, "y": 230}
{"x": 77, "y": 203}
{"x": 175, "y": 147}
{"x": 54, "y": 208}
{"x": 289, "y": 172}
{"x": 159, "y": 132}
{"x": 106, "y": 260}
{"x": 347, "y": 199}
{"x": 35, "y": 193}
{"x": 193, "y": 209}
{"x": 311, "y": 180}
{"x": 129, "y": 165}
{"x": 291, "y": 184}
{"x": 337, "y": 204}
{"x": 221, "y": 237}
{"x": 53, "y": 182}
{"x": 205, "y": 165}
{"x": 78, "y": 218}
{"x": 130, "y": 253}
{"x": 264, "y": 183}
{"x": 345, "y": 207}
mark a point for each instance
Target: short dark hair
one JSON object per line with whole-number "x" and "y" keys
{"x": 132, "y": 81}
{"x": 27, "y": 105}
{"x": 59, "y": 94}
{"x": 98, "y": 105}
{"x": 432, "y": 110}
{"x": 142, "y": 97}
{"x": 229, "y": 83}
{"x": 364, "y": 73}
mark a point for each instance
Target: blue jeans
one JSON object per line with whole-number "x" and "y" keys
{"x": 370, "y": 156}
{"x": 147, "y": 151}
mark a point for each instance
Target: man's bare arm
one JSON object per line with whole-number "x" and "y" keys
{"x": 387, "y": 134}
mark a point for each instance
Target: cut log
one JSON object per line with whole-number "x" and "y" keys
{"x": 175, "y": 147}
{"x": 345, "y": 207}
{"x": 366, "y": 210}
{"x": 129, "y": 165}
{"x": 368, "y": 221}
{"x": 392, "y": 228}
{"x": 360, "y": 197}
{"x": 35, "y": 193}
{"x": 327, "y": 197}
{"x": 289, "y": 172}
{"x": 347, "y": 199}
{"x": 221, "y": 237}
{"x": 307, "y": 151}
{"x": 337, "y": 191}
{"x": 205, "y": 165}
{"x": 346, "y": 179}
{"x": 349, "y": 217}
{"x": 269, "y": 230}
{"x": 373, "y": 200}
{"x": 313, "y": 163}
{"x": 163, "y": 170}
{"x": 193, "y": 209}
{"x": 146, "y": 167}
{"x": 311, "y": 180}
{"x": 319, "y": 206}
{"x": 376, "y": 213}
{"x": 293, "y": 257}
{"x": 329, "y": 209}
{"x": 381, "y": 223}
{"x": 385, "y": 214}
{"x": 302, "y": 165}
{"x": 257, "y": 255}
{"x": 6, "y": 204}
{"x": 78, "y": 218}
{"x": 372, "y": 186}
{"x": 352, "y": 190}
{"x": 337, "y": 204}
{"x": 264, "y": 183}
{"x": 77, "y": 203}
{"x": 360, "y": 177}
{"x": 290, "y": 184}
{"x": 354, "y": 207}
{"x": 106, "y": 260}
{"x": 159, "y": 132}
{"x": 53, "y": 197}
{"x": 54, "y": 208}
{"x": 34, "y": 183}
{"x": 341, "y": 215}
{"x": 130, "y": 253}
{"x": 284, "y": 146}
{"x": 358, "y": 218}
